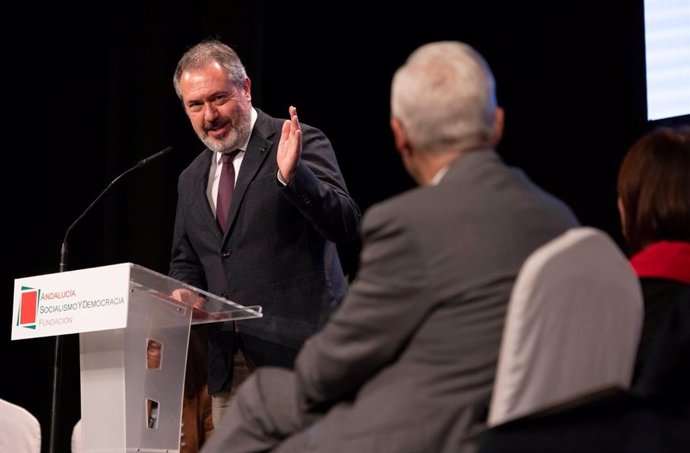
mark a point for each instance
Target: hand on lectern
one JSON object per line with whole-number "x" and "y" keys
{"x": 189, "y": 298}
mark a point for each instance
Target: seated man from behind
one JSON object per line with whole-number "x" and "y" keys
{"x": 407, "y": 363}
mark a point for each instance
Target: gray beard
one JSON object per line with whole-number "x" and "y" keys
{"x": 233, "y": 141}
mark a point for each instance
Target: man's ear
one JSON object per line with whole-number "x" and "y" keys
{"x": 400, "y": 136}
{"x": 247, "y": 88}
{"x": 499, "y": 122}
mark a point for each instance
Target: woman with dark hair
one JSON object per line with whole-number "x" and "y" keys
{"x": 654, "y": 205}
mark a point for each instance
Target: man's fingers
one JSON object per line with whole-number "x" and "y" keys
{"x": 286, "y": 129}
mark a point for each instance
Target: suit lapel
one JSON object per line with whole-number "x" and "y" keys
{"x": 201, "y": 207}
{"x": 254, "y": 158}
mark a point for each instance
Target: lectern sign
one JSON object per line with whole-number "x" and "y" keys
{"x": 71, "y": 302}
{"x": 119, "y": 311}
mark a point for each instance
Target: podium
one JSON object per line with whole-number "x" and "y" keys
{"x": 133, "y": 339}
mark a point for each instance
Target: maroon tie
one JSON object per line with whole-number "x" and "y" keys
{"x": 226, "y": 187}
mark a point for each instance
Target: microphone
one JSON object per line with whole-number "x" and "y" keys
{"x": 155, "y": 156}
{"x": 141, "y": 163}
{"x": 57, "y": 366}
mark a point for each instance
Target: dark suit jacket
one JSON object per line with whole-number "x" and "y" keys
{"x": 663, "y": 299}
{"x": 407, "y": 362}
{"x": 280, "y": 249}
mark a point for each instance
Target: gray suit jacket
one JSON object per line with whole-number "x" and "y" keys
{"x": 407, "y": 362}
{"x": 280, "y": 249}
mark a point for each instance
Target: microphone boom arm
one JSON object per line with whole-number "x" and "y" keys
{"x": 141, "y": 163}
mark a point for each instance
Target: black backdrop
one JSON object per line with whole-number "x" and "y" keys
{"x": 88, "y": 93}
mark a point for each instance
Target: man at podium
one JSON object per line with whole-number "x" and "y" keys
{"x": 268, "y": 237}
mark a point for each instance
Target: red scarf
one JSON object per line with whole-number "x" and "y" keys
{"x": 664, "y": 259}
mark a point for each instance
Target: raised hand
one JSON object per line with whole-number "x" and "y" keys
{"x": 290, "y": 146}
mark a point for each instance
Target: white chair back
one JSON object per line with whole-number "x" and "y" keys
{"x": 77, "y": 439}
{"x": 20, "y": 431}
{"x": 572, "y": 326}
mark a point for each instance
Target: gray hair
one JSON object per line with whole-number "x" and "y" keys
{"x": 445, "y": 96}
{"x": 211, "y": 51}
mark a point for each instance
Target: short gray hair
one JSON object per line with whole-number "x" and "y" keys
{"x": 206, "y": 52}
{"x": 444, "y": 95}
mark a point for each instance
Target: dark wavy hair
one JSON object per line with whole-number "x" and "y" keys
{"x": 654, "y": 188}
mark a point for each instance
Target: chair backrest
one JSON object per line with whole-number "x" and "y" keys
{"x": 77, "y": 439}
{"x": 20, "y": 431}
{"x": 572, "y": 326}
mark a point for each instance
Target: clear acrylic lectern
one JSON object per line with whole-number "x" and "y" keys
{"x": 132, "y": 378}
